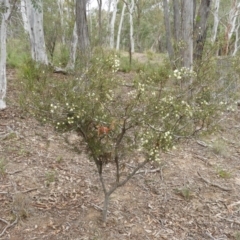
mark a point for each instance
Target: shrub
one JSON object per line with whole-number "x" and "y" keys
{"x": 117, "y": 120}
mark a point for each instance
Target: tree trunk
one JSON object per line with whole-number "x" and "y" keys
{"x": 73, "y": 49}
{"x": 61, "y": 9}
{"x": 200, "y": 27}
{"x": 177, "y": 20}
{"x": 82, "y": 27}
{"x": 168, "y": 31}
{"x": 132, "y": 43}
{"x": 120, "y": 26}
{"x": 100, "y": 22}
{"x": 105, "y": 206}
{"x": 24, "y": 16}
{"x": 35, "y": 29}
{"x": 231, "y": 25}
{"x": 187, "y": 33}
{"x": 216, "y": 20}
{"x": 5, "y": 13}
{"x": 236, "y": 43}
{"x": 112, "y": 24}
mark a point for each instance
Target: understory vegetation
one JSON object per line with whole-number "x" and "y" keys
{"x": 117, "y": 117}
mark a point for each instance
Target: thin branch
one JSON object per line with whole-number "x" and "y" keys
{"x": 116, "y": 158}
{"x": 29, "y": 190}
{"x": 94, "y": 205}
{"x": 201, "y": 143}
{"x": 230, "y": 220}
{"x": 8, "y": 225}
{"x": 17, "y": 171}
{"x": 103, "y": 184}
{"x": 214, "y": 184}
{"x": 14, "y": 5}
{"x": 233, "y": 204}
{"x": 210, "y": 235}
{"x": 149, "y": 171}
{"x": 128, "y": 177}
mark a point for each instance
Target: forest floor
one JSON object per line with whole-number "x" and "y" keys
{"x": 49, "y": 191}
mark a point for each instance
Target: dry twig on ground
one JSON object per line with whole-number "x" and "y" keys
{"x": 214, "y": 184}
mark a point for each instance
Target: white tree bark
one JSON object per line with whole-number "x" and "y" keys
{"x": 168, "y": 30}
{"x": 131, "y": 9}
{"x": 237, "y": 38}
{"x": 24, "y": 16}
{"x": 233, "y": 14}
{"x": 120, "y": 26}
{"x": 73, "y": 50}
{"x": 5, "y": 13}
{"x": 231, "y": 26}
{"x": 112, "y": 24}
{"x": 187, "y": 33}
{"x": 35, "y": 31}
{"x": 100, "y": 22}
{"x": 61, "y": 8}
{"x": 82, "y": 27}
{"x": 108, "y": 23}
{"x": 216, "y": 20}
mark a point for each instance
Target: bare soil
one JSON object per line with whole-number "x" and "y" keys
{"x": 50, "y": 191}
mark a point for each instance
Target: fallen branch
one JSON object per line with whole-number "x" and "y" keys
{"x": 161, "y": 173}
{"x": 17, "y": 171}
{"x": 97, "y": 207}
{"x": 29, "y": 190}
{"x": 233, "y": 204}
{"x": 204, "y": 159}
{"x": 229, "y": 220}
{"x": 210, "y": 235}
{"x": 201, "y": 143}
{"x": 149, "y": 171}
{"x": 214, "y": 184}
{"x": 3, "y": 137}
{"x": 60, "y": 70}
{"x": 8, "y": 225}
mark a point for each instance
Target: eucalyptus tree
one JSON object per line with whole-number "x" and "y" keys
{"x": 82, "y": 27}
{"x": 225, "y": 30}
{"x": 168, "y": 30}
{"x": 177, "y": 19}
{"x": 73, "y": 49}
{"x": 131, "y": 33}
{"x": 200, "y": 28}
{"x": 100, "y": 3}
{"x": 215, "y": 12}
{"x": 33, "y": 16}
{"x": 112, "y": 24}
{"x": 190, "y": 30}
{"x": 120, "y": 26}
{"x": 60, "y": 4}
{"x": 5, "y": 14}
{"x": 187, "y": 30}
{"x": 231, "y": 25}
